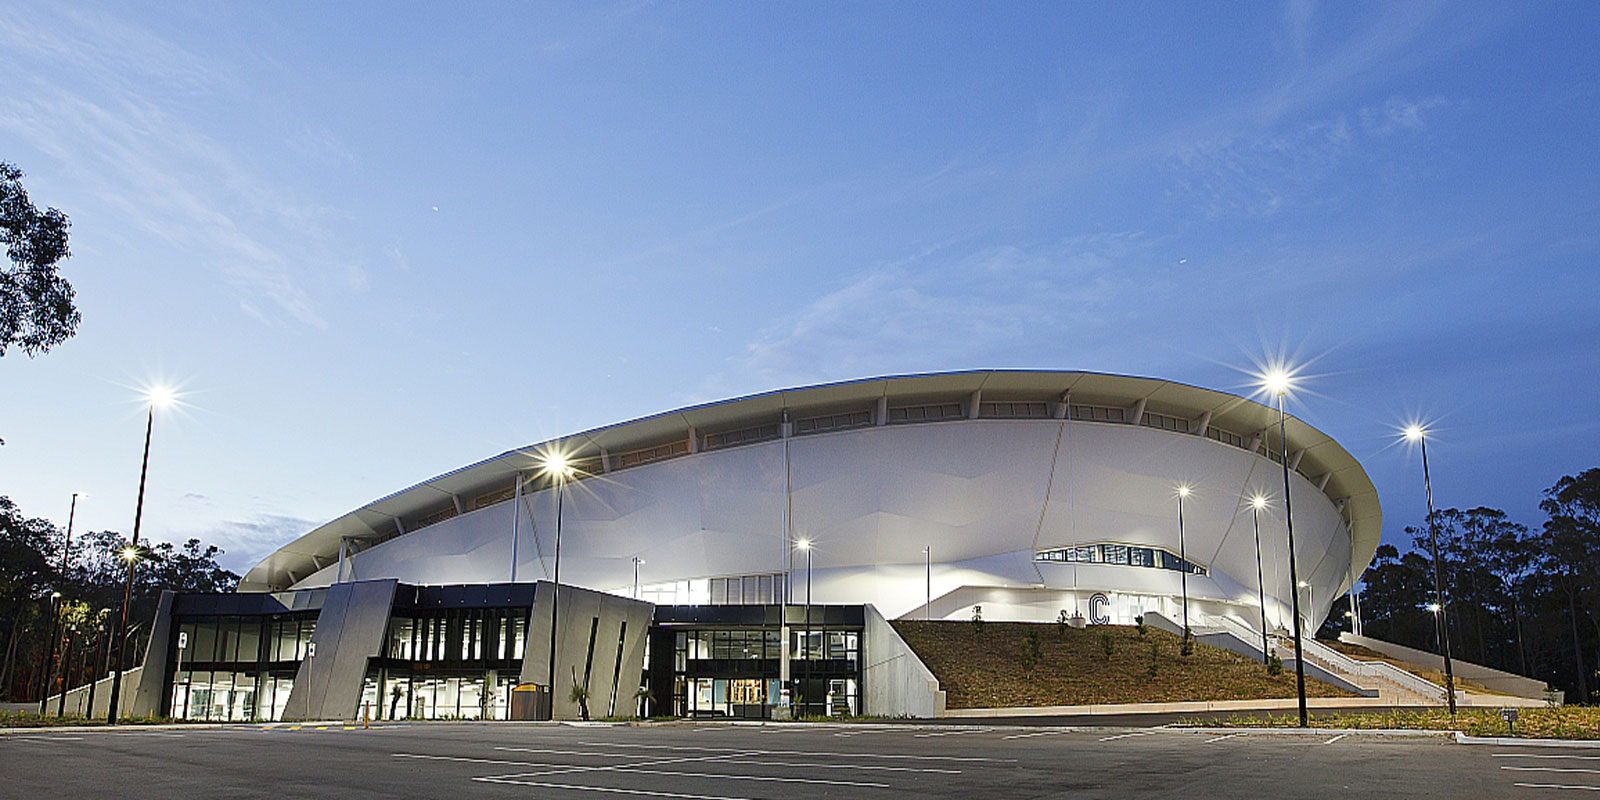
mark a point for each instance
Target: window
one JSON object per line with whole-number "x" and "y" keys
{"x": 1119, "y": 554}
{"x": 1015, "y": 410}
{"x": 833, "y": 422}
{"x": 925, "y": 413}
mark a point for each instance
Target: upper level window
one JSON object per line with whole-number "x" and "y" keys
{"x": 1128, "y": 555}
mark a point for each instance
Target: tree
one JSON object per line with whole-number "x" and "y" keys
{"x": 1570, "y": 548}
{"x": 36, "y": 304}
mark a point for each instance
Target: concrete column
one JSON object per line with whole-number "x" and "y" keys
{"x": 882, "y": 417}
{"x": 974, "y": 403}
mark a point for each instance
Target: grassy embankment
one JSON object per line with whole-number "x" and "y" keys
{"x": 993, "y": 667}
{"x": 1560, "y": 722}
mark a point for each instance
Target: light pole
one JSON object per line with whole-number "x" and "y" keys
{"x": 1278, "y": 382}
{"x": 1433, "y": 608}
{"x": 1256, "y": 504}
{"x": 636, "y": 562}
{"x": 50, "y": 652}
{"x": 805, "y": 545}
{"x": 55, "y": 614}
{"x": 1416, "y": 433}
{"x": 1183, "y": 570}
{"x": 156, "y": 397}
{"x": 555, "y": 464}
{"x": 927, "y": 563}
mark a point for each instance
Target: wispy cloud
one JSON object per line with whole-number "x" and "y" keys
{"x": 939, "y": 308}
{"x": 100, "y": 97}
{"x": 246, "y": 541}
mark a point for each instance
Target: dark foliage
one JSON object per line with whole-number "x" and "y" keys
{"x": 1519, "y": 600}
{"x": 36, "y": 304}
{"x": 91, "y": 590}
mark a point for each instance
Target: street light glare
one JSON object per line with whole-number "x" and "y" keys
{"x": 1184, "y": 490}
{"x": 160, "y": 396}
{"x": 1414, "y": 432}
{"x": 1258, "y": 502}
{"x": 1434, "y": 607}
{"x": 803, "y": 544}
{"x": 1278, "y": 381}
{"x": 556, "y": 463}
{"x": 130, "y": 553}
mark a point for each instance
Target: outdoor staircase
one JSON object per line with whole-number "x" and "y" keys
{"x": 1391, "y": 683}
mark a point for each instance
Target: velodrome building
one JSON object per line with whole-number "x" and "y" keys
{"x": 700, "y": 546}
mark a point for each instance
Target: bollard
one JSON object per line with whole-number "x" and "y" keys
{"x": 366, "y": 715}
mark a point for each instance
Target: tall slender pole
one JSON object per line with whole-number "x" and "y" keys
{"x": 809, "y": 654}
{"x": 555, "y": 593}
{"x": 1438, "y": 584}
{"x": 516, "y": 523}
{"x": 55, "y": 609}
{"x": 1261, "y": 581}
{"x": 927, "y": 561}
{"x": 1183, "y": 569}
{"x": 636, "y": 562}
{"x": 94, "y": 661}
{"x": 127, "y": 587}
{"x": 785, "y": 682}
{"x": 1294, "y": 574}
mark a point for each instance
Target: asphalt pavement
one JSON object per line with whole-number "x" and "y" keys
{"x": 771, "y": 762}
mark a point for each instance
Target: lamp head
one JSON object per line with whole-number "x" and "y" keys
{"x": 1434, "y": 607}
{"x": 803, "y": 544}
{"x": 1277, "y": 381}
{"x": 130, "y": 554}
{"x": 1304, "y": 585}
{"x": 160, "y": 396}
{"x": 556, "y": 464}
{"x": 55, "y": 595}
{"x": 1184, "y": 490}
{"x": 1414, "y": 432}
{"x": 1258, "y": 502}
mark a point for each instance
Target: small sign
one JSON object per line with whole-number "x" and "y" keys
{"x": 783, "y": 697}
{"x": 311, "y": 649}
{"x": 183, "y": 639}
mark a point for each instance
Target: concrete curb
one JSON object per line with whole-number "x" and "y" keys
{"x": 1517, "y": 741}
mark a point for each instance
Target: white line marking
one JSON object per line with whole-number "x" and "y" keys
{"x": 1556, "y": 786}
{"x": 37, "y": 738}
{"x": 1530, "y": 755}
{"x": 876, "y": 767}
{"x": 735, "y": 751}
{"x": 1124, "y": 736}
{"x": 468, "y": 760}
{"x": 951, "y": 733}
{"x": 1552, "y": 769}
{"x": 1224, "y": 736}
{"x": 1336, "y": 738}
{"x": 542, "y": 785}
{"x": 1040, "y": 733}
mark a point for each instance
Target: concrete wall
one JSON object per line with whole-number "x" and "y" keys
{"x": 78, "y": 699}
{"x": 350, "y": 630}
{"x": 984, "y": 495}
{"x": 586, "y": 616}
{"x": 1494, "y": 679}
{"x": 895, "y": 681}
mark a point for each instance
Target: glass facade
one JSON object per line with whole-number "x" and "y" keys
{"x": 724, "y": 661}
{"x": 458, "y": 663}
{"x": 1125, "y": 555}
{"x": 236, "y": 668}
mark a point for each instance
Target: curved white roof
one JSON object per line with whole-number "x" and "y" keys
{"x": 1092, "y": 396}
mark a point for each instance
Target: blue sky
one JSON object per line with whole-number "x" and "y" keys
{"x": 377, "y": 242}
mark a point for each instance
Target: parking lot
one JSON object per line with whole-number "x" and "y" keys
{"x": 769, "y": 762}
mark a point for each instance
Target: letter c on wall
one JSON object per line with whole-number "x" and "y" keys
{"x": 1098, "y": 602}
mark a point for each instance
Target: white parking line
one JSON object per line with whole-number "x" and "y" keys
{"x": 749, "y": 751}
{"x": 1124, "y": 736}
{"x": 1531, "y": 755}
{"x": 37, "y": 738}
{"x": 951, "y": 733}
{"x": 608, "y": 789}
{"x": 1224, "y": 736}
{"x": 1336, "y": 738}
{"x": 1556, "y": 786}
{"x": 639, "y": 770}
{"x": 1552, "y": 769}
{"x": 1040, "y": 733}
